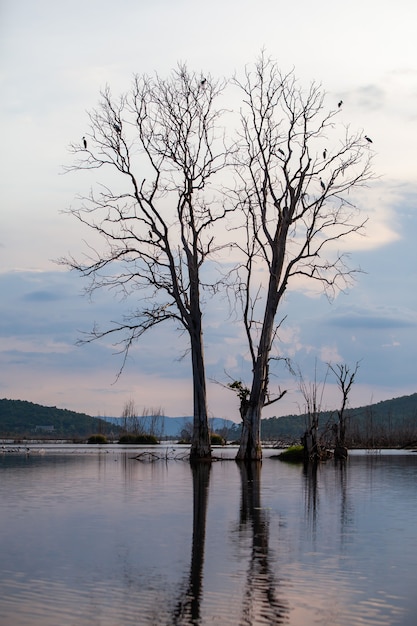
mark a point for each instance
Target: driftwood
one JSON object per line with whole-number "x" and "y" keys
{"x": 148, "y": 456}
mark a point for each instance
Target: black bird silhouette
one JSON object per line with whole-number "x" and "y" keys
{"x": 368, "y": 139}
{"x": 281, "y": 151}
{"x": 85, "y": 143}
{"x": 324, "y": 153}
{"x": 117, "y": 128}
{"x": 203, "y": 81}
{"x": 340, "y": 103}
{"x": 323, "y": 186}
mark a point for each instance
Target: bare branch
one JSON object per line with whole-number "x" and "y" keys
{"x": 161, "y": 148}
{"x": 296, "y": 171}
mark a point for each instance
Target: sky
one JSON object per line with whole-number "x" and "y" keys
{"x": 55, "y": 58}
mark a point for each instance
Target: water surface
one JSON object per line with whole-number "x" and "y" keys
{"x": 89, "y": 536}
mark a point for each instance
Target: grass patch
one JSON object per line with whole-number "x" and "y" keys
{"x": 139, "y": 439}
{"x": 216, "y": 440}
{"x": 100, "y": 439}
{"x": 294, "y": 454}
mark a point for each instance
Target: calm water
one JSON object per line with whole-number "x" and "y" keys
{"x": 92, "y": 537}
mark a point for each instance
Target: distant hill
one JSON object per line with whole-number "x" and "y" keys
{"x": 19, "y": 418}
{"x": 172, "y": 426}
{"x": 369, "y": 423}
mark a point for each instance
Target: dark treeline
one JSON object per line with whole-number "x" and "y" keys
{"x": 388, "y": 423}
{"x": 19, "y": 418}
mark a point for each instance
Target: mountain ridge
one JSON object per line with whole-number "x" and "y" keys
{"x": 23, "y": 418}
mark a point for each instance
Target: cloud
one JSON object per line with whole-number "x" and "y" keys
{"x": 354, "y": 317}
{"x": 41, "y": 296}
{"x": 370, "y": 97}
{"x": 24, "y": 347}
{"x": 42, "y": 312}
{"x": 392, "y": 344}
{"x": 330, "y": 354}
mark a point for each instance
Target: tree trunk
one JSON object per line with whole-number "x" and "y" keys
{"x": 200, "y": 442}
{"x": 311, "y": 445}
{"x": 250, "y": 448}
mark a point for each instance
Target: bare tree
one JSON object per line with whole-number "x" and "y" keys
{"x": 295, "y": 173}
{"x": 345, "y": 378}
{"x": 186, "y": 433}
{"x": 130, "y": 417}
{"x": 312, "y": 393}
{"x": 156, "y": 421}
{"x": 162, "y": 146}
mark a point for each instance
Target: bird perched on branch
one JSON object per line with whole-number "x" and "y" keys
{"x": 203, "y": 81}
{"x": 85, "y": 143}
{"x": 368, "y": 139}
{"x": 339, "y": 104}
{"x": 324, "y": 153}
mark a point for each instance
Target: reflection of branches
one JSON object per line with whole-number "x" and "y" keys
{"x": 339, "y": 490}
{"x": 311, "y": 493}
{"x": 187, "y": 610}
{"x": 345, "y": 507}
{"x": 261, "y": 585}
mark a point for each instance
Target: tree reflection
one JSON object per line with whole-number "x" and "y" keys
{"x": 187, "y": 610}
{"x": 311, "y": 493}
{"x": 261, "y": 601}
{"x": 346, "y": 513}
{"x": 339, "y": 492}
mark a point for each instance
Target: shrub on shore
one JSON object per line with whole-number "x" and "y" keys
{"x": 99, "y": 439}
{"x": 138, "y": 439}
{"x": 293, "y": 454}
{"x": 216, "y": 440}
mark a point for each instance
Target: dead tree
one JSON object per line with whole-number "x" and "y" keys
{"x": 155, "y": 418}
{"x": 345, "y": 378}
{"x": 130, "y": 418}
{"x": 159, "y": 147}
{"x": 312, "y": 393}
{"x": 297, "y": 208}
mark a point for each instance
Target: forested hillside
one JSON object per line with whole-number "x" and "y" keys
{"x": 19, "y": 418}
{"x": 390, "y": 421}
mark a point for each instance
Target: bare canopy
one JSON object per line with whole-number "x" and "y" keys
{"x": 162, "y": 212}
{"x": 161, "y": 147}
{"x": 297, "y": 168}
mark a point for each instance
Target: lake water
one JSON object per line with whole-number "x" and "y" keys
{"x": 89, "y": 536}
